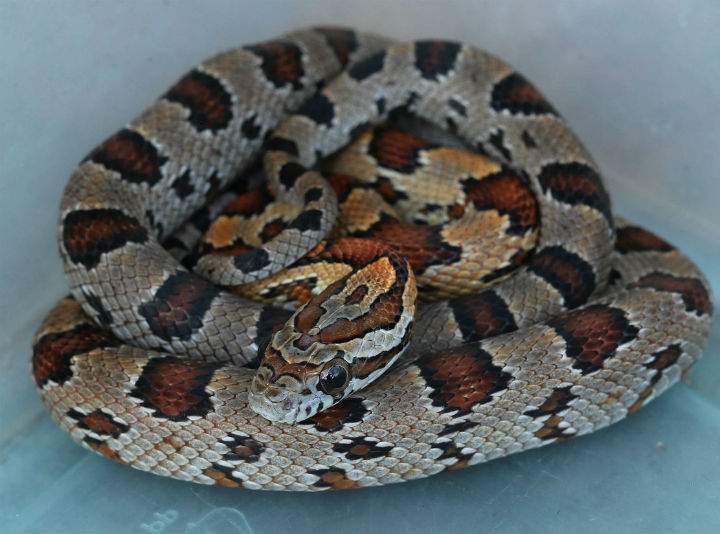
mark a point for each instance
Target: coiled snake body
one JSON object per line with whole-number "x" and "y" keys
{"x": 145, "y": 364}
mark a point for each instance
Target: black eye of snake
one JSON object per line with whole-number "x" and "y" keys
{"x": 334, "y": 377}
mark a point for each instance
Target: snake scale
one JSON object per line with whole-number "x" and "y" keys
{"x": 151, "y": 365}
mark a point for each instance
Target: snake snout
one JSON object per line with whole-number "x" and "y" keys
{"x": 275, "y": 402}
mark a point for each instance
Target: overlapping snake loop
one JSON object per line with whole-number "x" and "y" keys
{"x": 152, "y": 365}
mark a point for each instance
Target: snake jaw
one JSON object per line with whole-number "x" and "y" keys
{"x": 273, "y": 404}
{"x": 287, "y": 402}
{"x": 271, "y": 400}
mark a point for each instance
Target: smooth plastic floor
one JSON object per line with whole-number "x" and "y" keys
{"x": 638, "y": 81}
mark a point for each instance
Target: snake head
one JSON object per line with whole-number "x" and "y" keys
{"x": 339, "y": 341}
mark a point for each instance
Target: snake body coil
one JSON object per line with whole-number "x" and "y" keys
{"x": 145, "y": 364}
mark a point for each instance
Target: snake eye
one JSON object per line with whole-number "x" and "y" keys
{"x": 334, "y": 376}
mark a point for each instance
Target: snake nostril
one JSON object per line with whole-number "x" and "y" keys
{"x": 275, "y": 394}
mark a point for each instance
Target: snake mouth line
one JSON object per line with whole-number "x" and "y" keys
{"x": 282, "y": 405}
{"x": 281, "y": 411}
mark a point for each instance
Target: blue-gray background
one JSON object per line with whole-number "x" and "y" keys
{"x": 639, "y": 81}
